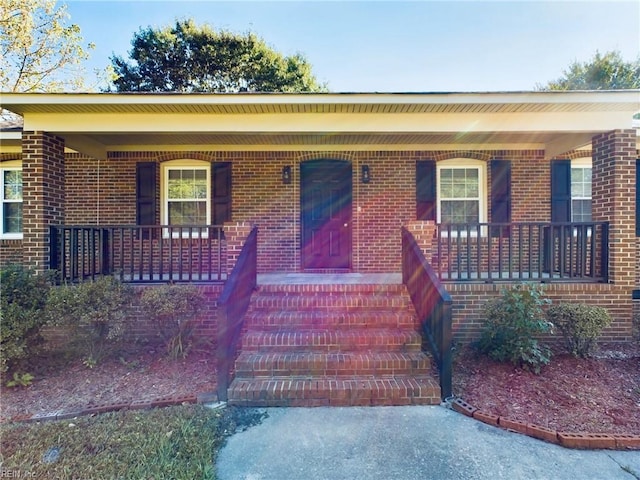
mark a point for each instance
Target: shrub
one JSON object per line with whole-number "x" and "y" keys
{"x": 94, "y": 313}
{"x": 174, "y": 309}
{"x": 580, "y": 325}
{"x": 512, "y": 322}
{"x": 22, "y": 300}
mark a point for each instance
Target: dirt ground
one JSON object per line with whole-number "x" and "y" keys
{"x": 595, "y": 395}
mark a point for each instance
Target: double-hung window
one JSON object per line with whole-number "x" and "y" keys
{"x": 11, "y": 200}
{"x": 186, "y": 197}
{"x": 581, "y": 190}
{"x": 461, "y": 191}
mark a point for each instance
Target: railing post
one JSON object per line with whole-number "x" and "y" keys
{"x": 446, "y": 361}
{"x": 53, "y": 248}
{"x": 222, "y": 353}
{"x": 605, "y": 252}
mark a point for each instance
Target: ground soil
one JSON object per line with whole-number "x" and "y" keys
{"x": 600, "y": 394}
{"x": 595, "y": 395}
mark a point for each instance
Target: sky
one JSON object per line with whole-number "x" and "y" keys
{"x": 394, "y": 46}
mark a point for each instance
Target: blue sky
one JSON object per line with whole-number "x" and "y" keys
{"x": 394, "y": 46}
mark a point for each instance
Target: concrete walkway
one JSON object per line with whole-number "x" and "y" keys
{"x": 404, "y": 443}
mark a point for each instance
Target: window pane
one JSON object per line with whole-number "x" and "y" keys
{"x": 581, "y": 210}
{"x": 12, "y": 217}
{"x": 581, "y": 182}
{"x": 460, "y": 211}
{"x": 13, "y": 185}
{"x": 187, "y": 184}
{"x": 187, "y": 213}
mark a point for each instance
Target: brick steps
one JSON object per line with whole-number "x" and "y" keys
{"x": 331, "y": 319}
{"x": 331, "y": 365}
{"x": 313, "y": 345}
{"x": 316, "y": 392}
{"x": 331, "y": 341}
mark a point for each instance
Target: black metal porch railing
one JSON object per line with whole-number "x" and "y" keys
{"x": 134, "y": 253}
{"x": 232, "y": 306}
{"x": 543, "y": 252}
{"x": 433, "y": 306}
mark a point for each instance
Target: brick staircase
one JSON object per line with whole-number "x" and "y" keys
{"x": 342, "y": 345}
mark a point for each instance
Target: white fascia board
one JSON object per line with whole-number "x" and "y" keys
{"x": 329, "y": 122}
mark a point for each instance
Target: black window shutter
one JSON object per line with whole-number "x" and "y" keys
{"x": 146, "y": 181}
{"x": 500, "y": 195}
{"x": 561, "y": 191}
{"x": 638, "y": 197}
{"x": 221, "y": 172}
{"x": 426, "y": 190}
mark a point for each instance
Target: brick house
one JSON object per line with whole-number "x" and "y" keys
{"x": 493, "y": 188}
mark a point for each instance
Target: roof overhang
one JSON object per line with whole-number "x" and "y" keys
{"x": 96, "y": 124}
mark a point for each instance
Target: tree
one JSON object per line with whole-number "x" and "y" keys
{"x": 39, "y": 50}
{"x": 606, "y": 71}
{"x": 191, "y": 58}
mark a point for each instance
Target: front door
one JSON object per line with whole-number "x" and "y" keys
{"x": 326, "y": 214}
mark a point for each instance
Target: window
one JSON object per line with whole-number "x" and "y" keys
{"x": 186, "y": 198}
{"x": 461, "y": 191}
{"x": 581, "y": 190}
{"x": 11, "y": 199}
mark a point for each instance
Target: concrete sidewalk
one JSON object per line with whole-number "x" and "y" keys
{"x": 404, "y": 443}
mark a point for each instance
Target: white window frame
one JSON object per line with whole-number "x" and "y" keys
{"x": 183, "y": 164}
{"x": 13, "y": 165}
{"x": 465, "y": 163}
{"x": 580, "y": 163}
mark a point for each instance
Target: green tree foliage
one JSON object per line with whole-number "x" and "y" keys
{"x": 190, "y": 58}
{"x": 39, "y": 50}
{"x": 512, "y": 323}
{"x": 580, "y": 325}
{"x": 93, "y": 313}
{"x": 606, "y": 71}
{"x": 174, "y": 310}
{"x": 22, "y": 301}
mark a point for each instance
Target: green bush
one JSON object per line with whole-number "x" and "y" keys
{"x": 22, "y": 301}
{"x": 580, "y": 325}
{"x": 174, "y": 309}
{"x": 94, "y": 314}
{"x": 512, "y": 322}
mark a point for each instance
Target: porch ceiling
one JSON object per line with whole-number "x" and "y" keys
{"x": 98, "y": 123}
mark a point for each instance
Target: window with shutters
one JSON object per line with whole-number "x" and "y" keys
{"x": 581, "y": 190}
{"x": 462, "y": 191}
{"x": 11, "y": 200}
{"x": 186, "y": 193}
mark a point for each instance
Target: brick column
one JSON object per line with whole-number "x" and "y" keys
{"x": 43, "y": 194}
{"x": 235, "y": 233}
{"x": 614, "y": 155}
{"x": 424, "y": 232}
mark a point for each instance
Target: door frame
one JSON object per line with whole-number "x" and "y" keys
{"x": 328, "y": 164}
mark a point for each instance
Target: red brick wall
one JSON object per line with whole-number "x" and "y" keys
{"x": 469, "y": 300}
{"x": 206, "y": 325}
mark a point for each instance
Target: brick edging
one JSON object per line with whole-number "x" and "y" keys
{"x": 94, "y": 409}
{"x": 565, "y": 439}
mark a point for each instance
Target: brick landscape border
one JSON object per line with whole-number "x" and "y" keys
{"x": 590, "y": 441}
{"x": 95, "y": 409}
{"x": 566, "y": 439}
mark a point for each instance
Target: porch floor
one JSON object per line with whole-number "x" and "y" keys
{"x": 301, "y": 278}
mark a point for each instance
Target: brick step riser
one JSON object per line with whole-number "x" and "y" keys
{"x": 331, "y": 341}
{"x": 329, "y": 368}
{"x": 380, "y": 289}
{"x": 293, "y": 392}
{"x": 318, "y": 320}
{"x": 301, "y": 302}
